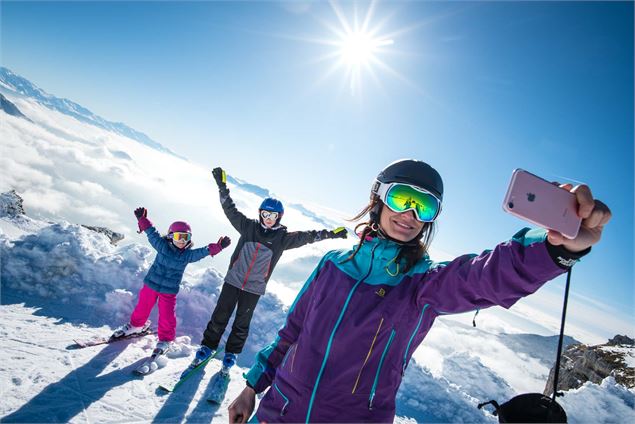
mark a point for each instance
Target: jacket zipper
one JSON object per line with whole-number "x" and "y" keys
{"x": 405, "y": 356}
{"x": 253, "y": 261}
{"x": 286, "y": 400}
{"x": 337, "y": 324}
{"x": 368, "y": 355}
{"x": 381, "y": 363}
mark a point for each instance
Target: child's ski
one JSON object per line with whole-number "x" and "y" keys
{"x": 98, "y": 340}
{"x": 150, "y": 365}
{"x": 219, "y": 384}
{"x": 176, "y": 382}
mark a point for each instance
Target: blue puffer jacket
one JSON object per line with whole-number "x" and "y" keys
{"x": 166, "y": 272}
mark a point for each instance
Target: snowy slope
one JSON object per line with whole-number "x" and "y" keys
{"x": 61, "y": 281}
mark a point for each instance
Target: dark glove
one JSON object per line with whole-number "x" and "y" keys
{"x": 339, "y": 232}
{"x": 141, "y": 212}
{"x": 224, "y": 241}
{"x": 142, "y": 218}
{"x": 220, "y": 177}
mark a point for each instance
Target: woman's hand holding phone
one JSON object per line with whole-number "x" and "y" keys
{"x": 573, "y": 218}
{"x": 595, "y": 215}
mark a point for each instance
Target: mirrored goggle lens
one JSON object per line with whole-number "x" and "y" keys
{"x": 401, "y": 198}
{"x": 269, "y": 215}
{"x": 181, "y": 236}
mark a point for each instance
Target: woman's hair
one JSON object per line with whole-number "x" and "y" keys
{"x": 412, "y": 251}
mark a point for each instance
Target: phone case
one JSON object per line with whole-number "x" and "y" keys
{"x": 542, "y": 203}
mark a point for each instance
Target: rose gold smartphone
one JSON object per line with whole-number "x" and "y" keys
{"x": 542, "y": 203}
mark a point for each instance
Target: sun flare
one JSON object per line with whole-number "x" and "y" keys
{"x": 359, "y": 48}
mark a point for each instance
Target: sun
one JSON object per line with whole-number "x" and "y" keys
{"x": 360, "y": 48}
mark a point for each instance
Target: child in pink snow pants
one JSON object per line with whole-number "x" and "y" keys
{"x": 162, "y": 282}
{"x": 167, "y": 315}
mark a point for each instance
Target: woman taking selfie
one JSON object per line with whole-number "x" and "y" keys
{"x": 350, "y": 333}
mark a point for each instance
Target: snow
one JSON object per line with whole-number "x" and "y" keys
{"x": 628, "y": 353}
{"x": 607, "y": 402}
{"x": 61, "y": 281}
{"x": 55, "y": 384}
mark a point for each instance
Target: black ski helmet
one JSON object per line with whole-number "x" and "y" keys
{"x": 411, "y": 171}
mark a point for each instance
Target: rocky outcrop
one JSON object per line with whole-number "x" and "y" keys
{"x": 581, "y": 363}
{"x": 113, "y": 236}
{"x": 10, "y": 108}
{"x": 11, "y": 204}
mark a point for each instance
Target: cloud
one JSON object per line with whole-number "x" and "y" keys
{"x": 49, "y": 200}
{"x": 86, "y": 188}
{"x": 20, "y": 176}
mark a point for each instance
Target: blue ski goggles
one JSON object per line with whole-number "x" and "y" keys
{"x": 401, "y": 197}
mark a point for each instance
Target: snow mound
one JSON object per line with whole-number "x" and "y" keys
{"x": 607, "y": 402}
{"x": 73, "y": 265}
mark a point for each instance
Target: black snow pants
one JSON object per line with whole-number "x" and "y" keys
{"x": 231, "y": 296}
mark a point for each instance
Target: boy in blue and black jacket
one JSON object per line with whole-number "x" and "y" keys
{"x": 257, "y": 252}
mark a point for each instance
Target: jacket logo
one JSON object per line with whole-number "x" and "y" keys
{"x": 381, "y": 292}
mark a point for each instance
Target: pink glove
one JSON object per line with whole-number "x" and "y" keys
{"x": 215, "y": 248}
{"x": 144, "y": 224}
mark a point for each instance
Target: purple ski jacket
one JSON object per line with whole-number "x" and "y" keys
{"x": 353, "y": 327}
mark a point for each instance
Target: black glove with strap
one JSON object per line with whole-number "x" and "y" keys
{"x": 339, "y": 232}
{"x": 221, "y": 181}
{"x": 220, "y": 177}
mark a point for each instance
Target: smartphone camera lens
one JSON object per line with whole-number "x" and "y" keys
{"x": 510, "y": 205}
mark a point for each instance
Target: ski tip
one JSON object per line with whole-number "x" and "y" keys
{"x": 164, "y": 389}
{"x": 143, "y": 370}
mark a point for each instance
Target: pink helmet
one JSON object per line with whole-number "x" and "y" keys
{"x": 180, "y": 227}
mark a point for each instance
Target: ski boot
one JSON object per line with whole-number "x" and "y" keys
{"x": 228, "y": 361}
{"x": 203, "y": 354}
{"x": 163, "y": 347}
{"x": 151, "y": 364}
{"x": 128, "y": 329}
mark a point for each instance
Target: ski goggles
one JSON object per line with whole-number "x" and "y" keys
{"x": 401, "y": 197}
{"x": 269, "y": 215}
{"x": 177, "y": 236}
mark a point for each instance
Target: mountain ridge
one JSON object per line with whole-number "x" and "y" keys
{"x": 23, "y": 86}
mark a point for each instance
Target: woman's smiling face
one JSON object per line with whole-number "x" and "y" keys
{"x": 400, "y": 226}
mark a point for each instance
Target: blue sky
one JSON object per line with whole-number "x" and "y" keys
{"x": 476, "y": 89}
